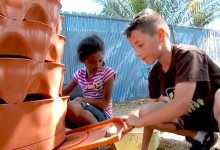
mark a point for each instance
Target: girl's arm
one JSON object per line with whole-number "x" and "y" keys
{"x": 107, "y": 94}
{"x": 68, "y": 89}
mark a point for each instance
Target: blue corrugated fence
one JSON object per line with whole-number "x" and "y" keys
{"x": 129, "y": 83}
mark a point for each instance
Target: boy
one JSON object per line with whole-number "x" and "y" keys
{"x": 184, "y": 76}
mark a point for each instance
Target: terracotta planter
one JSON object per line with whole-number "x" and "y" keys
{"x": 21, "y": 78}
{"x": 33, "y": 125}
{"x": 26, "y": 39}
{"x": 59, "y": 24}
{"x": 44, "y": 11}
{"x": 56, "y": 48}
{"x": 49, "y": 80}
{"x": 1, "y": 9}
{"x": 94, "y": 135}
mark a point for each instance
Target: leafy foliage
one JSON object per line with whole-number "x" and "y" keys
{"x": 196, "y": 13}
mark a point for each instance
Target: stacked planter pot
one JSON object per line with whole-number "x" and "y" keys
{"x": 32, "y": 110}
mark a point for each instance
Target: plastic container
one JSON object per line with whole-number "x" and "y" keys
{"x": 94, "y": 135}
{"x": 56, "y": 48}
{"x": 33, "y": 125}
{"x": 133, "y": 140}
{"x": 27, "y": 39}
{"x": 21, "y": 77}
{"x": 59, "y": 24}
{"x": 44, "y": 11}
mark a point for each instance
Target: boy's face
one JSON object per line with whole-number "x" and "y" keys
{"x": 146, "y": 47}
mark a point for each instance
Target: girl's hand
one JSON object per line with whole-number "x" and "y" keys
{"x": 133, "y": 121}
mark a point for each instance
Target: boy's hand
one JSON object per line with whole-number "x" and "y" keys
{"x": 133, "y": 121}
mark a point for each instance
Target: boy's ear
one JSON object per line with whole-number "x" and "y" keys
{"x": 161, "y": 34}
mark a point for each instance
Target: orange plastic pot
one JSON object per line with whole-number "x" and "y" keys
{"x": 94, "y": 135}
{"x": 49, "y": 80}
{"x": 1, "y": 9}
{"x": 33, "y": 125}
{"x": 44, "y": 11}
{"x": 27, "y": 39}
{"x": 59, "y": 24}
{"x": 56, "y": 48}
{"x": 22, "y": 77}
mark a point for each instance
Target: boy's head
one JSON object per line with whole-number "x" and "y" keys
{"x": 147, "y": 33}
{"x": 90, "y": 52}
{"x": 147, "y": 21}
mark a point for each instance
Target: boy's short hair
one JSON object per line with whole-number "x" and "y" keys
{"x": 146, "y": 21}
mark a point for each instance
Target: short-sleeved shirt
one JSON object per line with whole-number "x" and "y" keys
{"x": 93, "y": 86}
{"x": 188, "y": 63}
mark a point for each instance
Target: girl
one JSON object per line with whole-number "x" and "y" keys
{"x": 96, "y": 82}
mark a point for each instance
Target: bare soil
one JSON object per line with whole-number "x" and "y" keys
{"x": 123, "y": 109}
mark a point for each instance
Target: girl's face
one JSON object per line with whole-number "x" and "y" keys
{"x": 94, "y": 62}
{"x": 146, "y": 47}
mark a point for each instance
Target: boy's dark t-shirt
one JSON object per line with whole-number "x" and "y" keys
{"x": 188, "y": 63}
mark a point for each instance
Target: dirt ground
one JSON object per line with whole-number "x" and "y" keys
{"x": 123, "y": 109}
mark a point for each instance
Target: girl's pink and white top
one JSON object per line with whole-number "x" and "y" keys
{"x": 92, "y": 87}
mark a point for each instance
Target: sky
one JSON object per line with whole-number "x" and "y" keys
{"x": 91, "y": 7}
{"x": 87, "y": 6}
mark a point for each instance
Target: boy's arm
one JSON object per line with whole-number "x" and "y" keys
{"x": 177, "y": 107}
{"x": 68, "y": 89}
{"x": 107, "y": 95}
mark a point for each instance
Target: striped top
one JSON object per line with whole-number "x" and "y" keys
{"x": 92, "y": 87}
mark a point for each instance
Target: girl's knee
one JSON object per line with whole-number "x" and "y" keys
{"x": 74, "y": 108}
